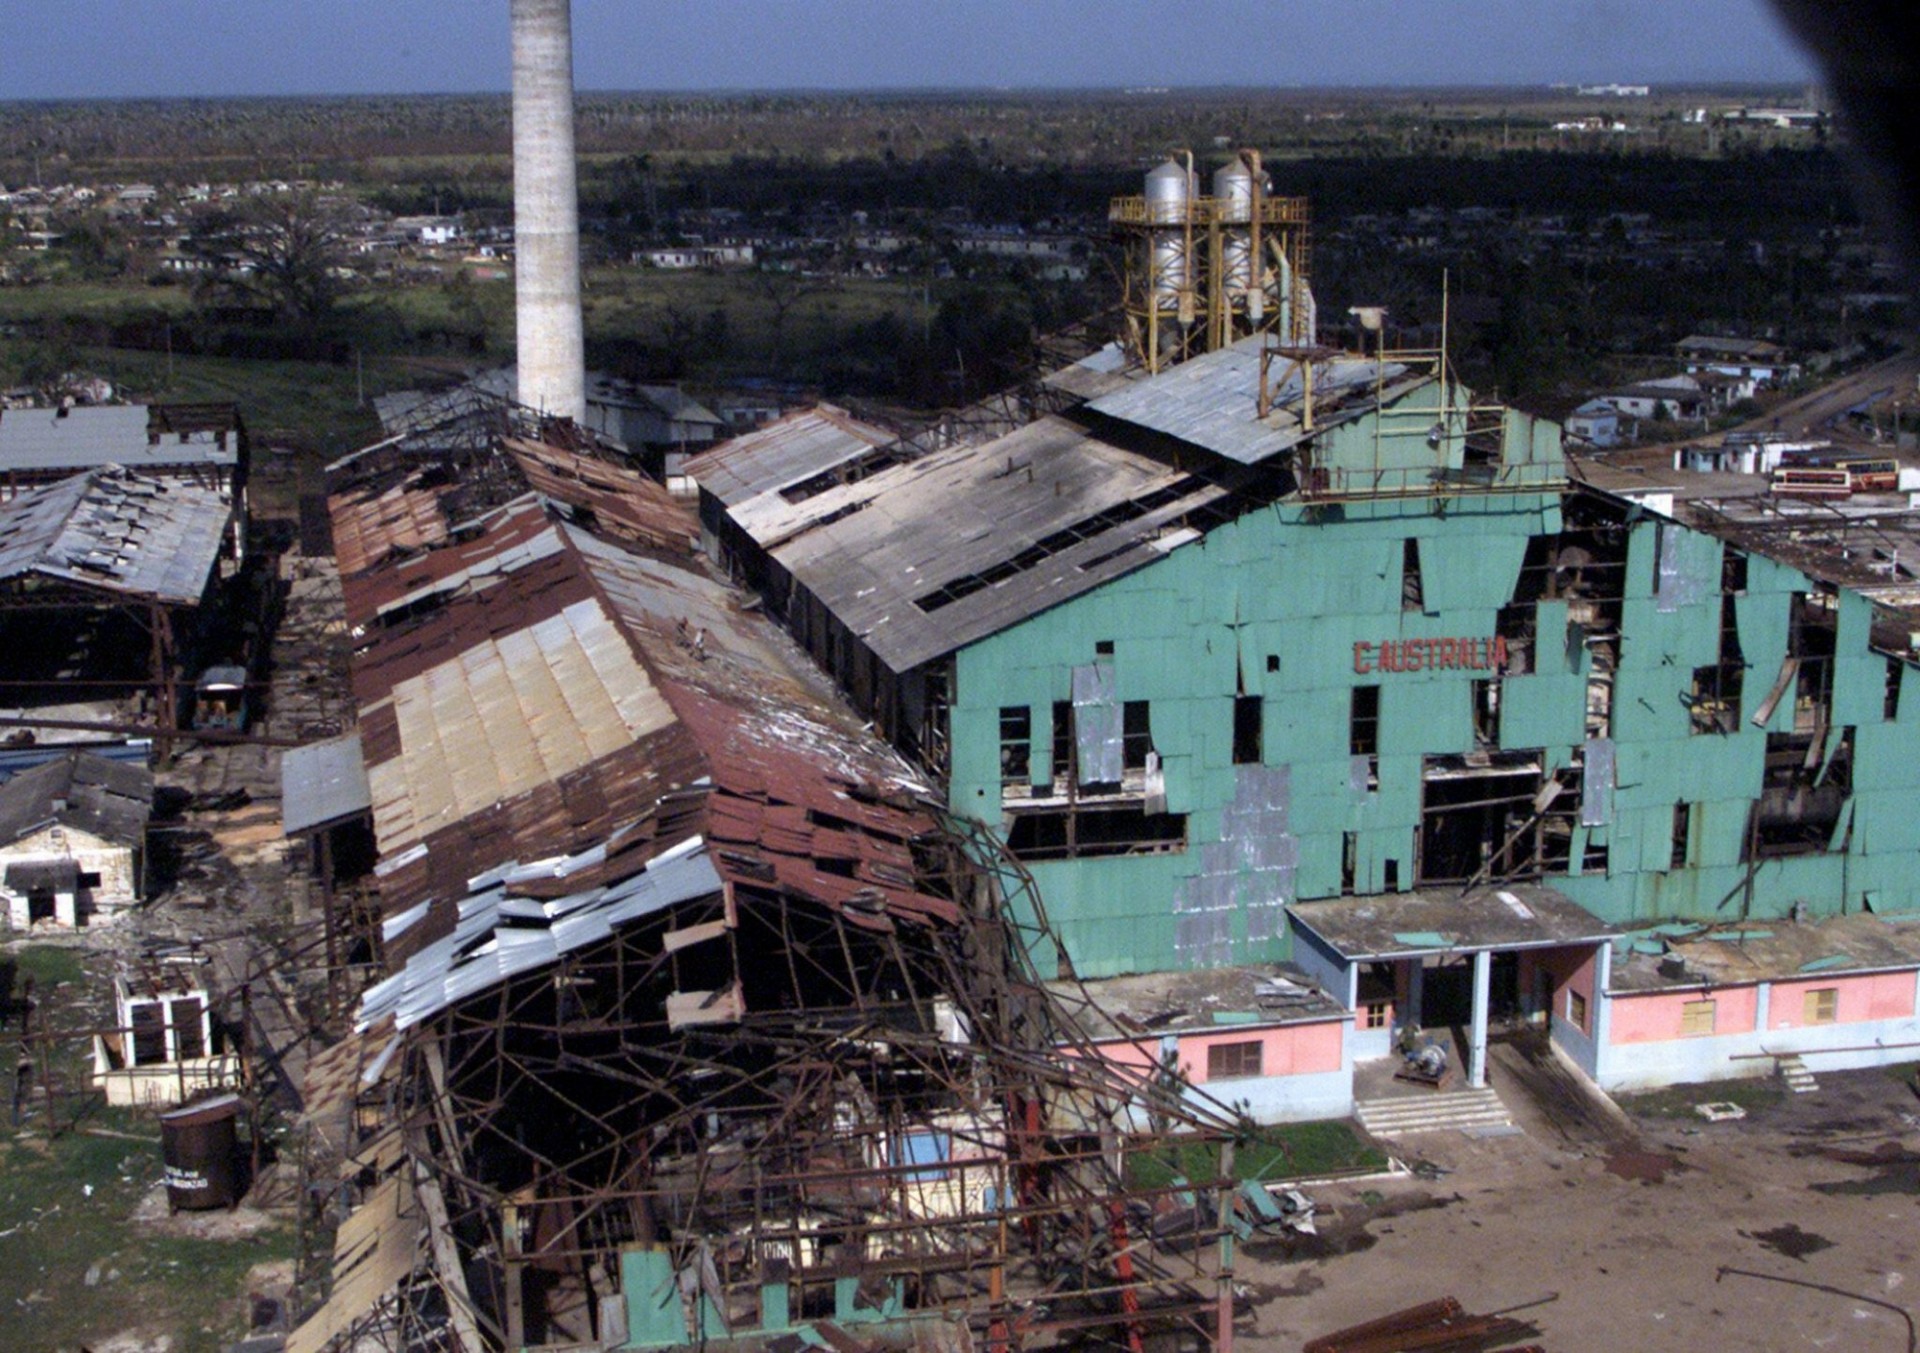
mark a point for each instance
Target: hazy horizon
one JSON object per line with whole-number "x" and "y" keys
{"x": 60, "y": 50}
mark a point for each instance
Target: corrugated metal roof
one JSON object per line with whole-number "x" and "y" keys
{"x": 626, "y": 504}
{"x": 372, "y": 527}
{"x": 1046, "y": 512}
{"x": 508, "y": 539}
{"x": 115, "y": 531}
{"x": 499, "y": 935}
{"x": 787, "y": 451}
{"x": 321, "y": 783}
{"x": 107, "y": 434}
{"x": 1212, "y": 401}
{"x": 110, "y": 799}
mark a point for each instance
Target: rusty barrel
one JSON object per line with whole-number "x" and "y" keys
{"x": 200, "y": 1147}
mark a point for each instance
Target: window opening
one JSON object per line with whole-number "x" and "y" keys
{"x": 1349, "y": 861}
{"x": 1080, "y": 832}
{"x": 1246, "y": 730}
{"x": 1103, "y": 648}
{"x": 1016, "y": 751}
{"x": 1412, "y": 590}
{"x": 1390, "y": 875}
{"x": 1062, "y": 745}
{"x": 1714, "y": 702}
{"x": 1136, "y": 734}
{"x": 1821, "y": 1005}
{"x": 1486, "y": 712}
{"x": 1233, "y": 1061}
{"x": 1890, "y": 702}
{"x": 1696, "y": 1019}
{"x": 1802, "y": 795}
{"x": 1682, "y": 834}
{"x": 1577, "y": 1010}
{"x": 1363, "y": 722}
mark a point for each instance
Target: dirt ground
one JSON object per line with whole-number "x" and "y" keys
{"x": 1622, "y": 1235}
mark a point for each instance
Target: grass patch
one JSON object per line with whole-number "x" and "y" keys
{"x": 48, "y": 965}
{"x": 1678, "y": 1101}
{"x": 53, "y": 1231}
{"x": 1285, "y": 1151}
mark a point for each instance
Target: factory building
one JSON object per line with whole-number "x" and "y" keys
{"x": 1281, "y": 655}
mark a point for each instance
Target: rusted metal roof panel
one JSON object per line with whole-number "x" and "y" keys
{"x": 628, "y": 505}
{"x": 371, "y": 527}
{"x": 508, "y": 539}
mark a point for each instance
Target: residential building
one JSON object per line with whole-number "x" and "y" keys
{"x": 1753, "y": 359}
{"x": 1597, "y": 423}
{"x": 73, "y": 839}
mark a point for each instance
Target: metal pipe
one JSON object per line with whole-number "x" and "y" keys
{"x": 549, "y": 333}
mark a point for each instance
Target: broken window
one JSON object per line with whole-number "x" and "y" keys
{"x": 1016, "y": 751}
{"x": 1363, "y": 722}
{"x": 1714, "y": 701}
{"x": 1485, "y": 816}
{"x": 1682, "y": 834}
{"x": 1486, "y": 712}
{"x": 1247, "y": 711}
{"x": 149, "y": 1032}
{"x": 1577, "y": 1010}
{"x": 1412, "y": 590}
{"x": 184, "y": 1014}
{"x": 1890, "y": 702}
{"x": 1811, "y": 628}
{"x": 1803, "y": 792}
{"x": 1821, "y": 1005}
{"x": 1733, "y": 571}
{"x": 1136, "y": 734}
{"x": 1233, "y": 1061}
{"x": 1062, "y": 744}
{"x": 1696, "y": 1018}
{"x": 1079, "y": 832}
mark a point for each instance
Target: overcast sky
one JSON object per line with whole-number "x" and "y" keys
{"x": 123, "y": 48}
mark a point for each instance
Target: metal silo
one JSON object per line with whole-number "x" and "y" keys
{"x": 1170, "y": 191}
{"x": 1233, "y": 209}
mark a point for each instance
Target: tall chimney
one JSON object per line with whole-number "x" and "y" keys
{"x": 546, "y": 211}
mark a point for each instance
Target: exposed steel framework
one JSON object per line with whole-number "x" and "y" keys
{"x": 570, "y": 1128}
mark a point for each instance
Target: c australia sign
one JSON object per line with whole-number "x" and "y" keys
{"x": 1431, "y": 655}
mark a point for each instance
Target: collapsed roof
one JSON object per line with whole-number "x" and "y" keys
{"x": 117, "y": 532}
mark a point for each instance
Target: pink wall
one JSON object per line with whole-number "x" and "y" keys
{"x": 1655, "y": 1016}
{"x": 1290, "y": 1050}
{"x": 1294, "y": 1050}
{"x": 1887, "y": 995}
{"x": 1572, "y": 970}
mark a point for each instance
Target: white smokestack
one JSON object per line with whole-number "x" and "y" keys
{"x": 546, "y": 211}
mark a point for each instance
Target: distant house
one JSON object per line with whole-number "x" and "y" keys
{"x": 1753, "y": 359}
{"x": 73, "y": 836}
{"x": 1675, "y": 397}
{"x": 1596, "y": 423}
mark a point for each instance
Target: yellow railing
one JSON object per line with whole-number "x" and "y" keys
{"x": 1202, "y": 211}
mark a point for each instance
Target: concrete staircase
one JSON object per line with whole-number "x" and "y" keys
{"x": 1404, "y": 1115}
{"x": 1794, "y": 1072}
